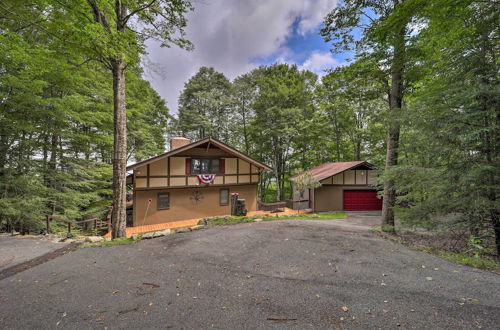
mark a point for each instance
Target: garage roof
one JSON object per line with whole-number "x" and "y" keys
{"x": 327, "y": 170}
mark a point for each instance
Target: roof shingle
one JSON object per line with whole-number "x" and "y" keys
{"x": 327, "y": 170}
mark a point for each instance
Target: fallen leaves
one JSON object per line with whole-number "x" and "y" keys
{"x": 344, "y": 308}
{"x": 281, "y": 319}
{"x": 428, "y": 278}
{"x": 152, "y": 284}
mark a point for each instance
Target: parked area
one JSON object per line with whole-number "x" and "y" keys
{"x": 19, "y": 249}
{"x": 272, "y": 274}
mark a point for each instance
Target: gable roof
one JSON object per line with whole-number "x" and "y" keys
{"x": 327, "y": 170}
{"x": 210, "y": 140}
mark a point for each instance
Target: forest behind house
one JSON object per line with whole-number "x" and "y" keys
{"x": 419, "y": 99}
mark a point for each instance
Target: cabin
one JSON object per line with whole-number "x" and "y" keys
{"x": 192, "y": 180}
{"x": 345, "y": 186}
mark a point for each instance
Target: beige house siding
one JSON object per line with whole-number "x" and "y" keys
{"x": 338, "y": 179}
{"x": 158, "y": 182}
{"x": 243, "y": 167}
{"x": 349, "y": 177}
{"x": 372, "y": 178}
{"x": 160, "y": 167}
{"x": 183, "y": 207}
{"x": 178, "y": 165}
{"x": 231, "y": 165}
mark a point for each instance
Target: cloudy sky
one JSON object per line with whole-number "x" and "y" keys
{"x": 235, "y": 36}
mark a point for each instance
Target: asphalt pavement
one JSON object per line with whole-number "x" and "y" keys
{"x": 294, "y": 274}
{"x": 18, "y": 249}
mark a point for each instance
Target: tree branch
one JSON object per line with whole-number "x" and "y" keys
{"x": 133, "y": 12}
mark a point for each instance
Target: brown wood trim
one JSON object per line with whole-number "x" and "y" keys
{"x": 343, "y": 178}
{"x": 224, "y": 177}
{"x": 366, "y": 179}
{"x": 182, "y": 176}
{"x": 238, "y": 171}
{"x": 343, "y": 185}
{"x": 148, "y": 171}
{"x": 199, "y": 187}
{"x": 134, "y": 199}
{"x": 152, "y": 176}
{"x": 168, "y": 171}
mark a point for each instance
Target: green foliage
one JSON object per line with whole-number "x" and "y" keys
{"x": 450, "y": 168}
{"x": 310, "y": 216}
{"x": 115, "y": 242}
{"x": 204, "y": 106}
{"x": 466, "y": 259}
{"x": 22, "y": 203}
{"x": 476, "y": 249}
{"x": 56, "y": 117}
{"x": 226, "y": 220}
{"x": 305, "y": 182}
{"x": 388, "y": 228}
{"x": 232, "y": 220}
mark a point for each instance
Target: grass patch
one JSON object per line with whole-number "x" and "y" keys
{"x": 219, "y": 221}
{"x": 232, "y": 220}
{"x": 478, "y": 262}
{"x": 464, "y": 258}
{"x": 309, "y": 216}
{"x": 118, "y": 241}
{"x": 388, "y": 229}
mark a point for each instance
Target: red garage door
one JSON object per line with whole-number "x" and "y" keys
{"x": 361, "y": 200}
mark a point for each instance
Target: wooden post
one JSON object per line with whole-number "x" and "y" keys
{"x": 95, "y": 223}
{"x": 69, "y": 227}
{"x": 47, "y": 221}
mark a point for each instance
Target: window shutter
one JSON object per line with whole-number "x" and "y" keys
{"x": 222, "y": 166}
{"x": 188, "y": 166}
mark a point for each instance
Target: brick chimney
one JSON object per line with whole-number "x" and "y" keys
{"x": 178, "y": 141}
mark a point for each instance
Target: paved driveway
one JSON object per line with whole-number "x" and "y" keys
{"x": 277, "y": 274}
{"x": 17, "y": 249}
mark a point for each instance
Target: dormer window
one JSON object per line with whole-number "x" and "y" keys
{"x": 205, "y": 166}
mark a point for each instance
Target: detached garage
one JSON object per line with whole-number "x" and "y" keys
{"x": 348, "y": 186}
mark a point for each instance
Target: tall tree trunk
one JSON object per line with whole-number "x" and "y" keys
{"x": 120, "y": 151}
{"x": 395, "y": 103}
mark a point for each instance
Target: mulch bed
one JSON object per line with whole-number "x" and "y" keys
{"x": 443, "y": 241}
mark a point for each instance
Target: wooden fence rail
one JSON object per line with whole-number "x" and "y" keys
{"x": 276, "y": 206}
{"x": 95, "y": 221}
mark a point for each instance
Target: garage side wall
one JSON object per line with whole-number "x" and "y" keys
{"x": 331, "y": 198}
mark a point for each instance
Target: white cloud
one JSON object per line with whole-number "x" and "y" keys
{"x": 318, "y": 62}
{"x": 228, "y": 34}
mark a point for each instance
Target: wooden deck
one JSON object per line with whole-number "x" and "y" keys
{"x": 193, "y": 222}
{"x": 161, "y": 226}
{"x": 286, "y": 211}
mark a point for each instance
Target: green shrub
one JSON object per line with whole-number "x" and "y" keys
{"x": 388, "y": 229}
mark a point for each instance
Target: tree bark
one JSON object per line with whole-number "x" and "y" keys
{"x": 395, "y": 103}
{"x": 118, "y": 218}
